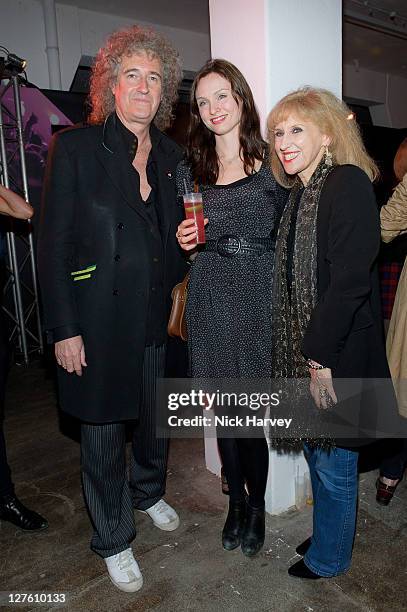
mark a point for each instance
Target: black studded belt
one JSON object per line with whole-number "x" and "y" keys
{"x": 230, "y": 245}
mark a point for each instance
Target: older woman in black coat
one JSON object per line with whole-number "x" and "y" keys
{"x": 327, "y": 309}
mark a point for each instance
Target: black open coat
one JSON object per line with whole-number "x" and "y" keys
{"x": 345, "y": 331}
{"x": 348, "y": 241}
{"x": 90, "y": 217}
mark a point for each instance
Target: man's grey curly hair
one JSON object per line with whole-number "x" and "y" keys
{"x": 126, "y": 42}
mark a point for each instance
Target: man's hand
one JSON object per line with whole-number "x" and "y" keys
{"x": 70, "y": 354}
{"x": 321, "y": 388}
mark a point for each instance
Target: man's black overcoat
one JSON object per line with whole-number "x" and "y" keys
{"x": 91, "y": 219}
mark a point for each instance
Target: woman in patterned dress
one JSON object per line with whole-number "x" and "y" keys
{"x": 229, "y": 296}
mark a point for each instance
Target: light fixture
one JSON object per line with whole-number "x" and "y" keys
{"x": 11, "y": 63}
{"x": 15, "y": 64}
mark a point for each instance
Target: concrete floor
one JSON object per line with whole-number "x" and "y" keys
{"x": 186, "y": 569}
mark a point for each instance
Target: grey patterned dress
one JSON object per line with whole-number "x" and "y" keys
{"x": 228, "y": 310}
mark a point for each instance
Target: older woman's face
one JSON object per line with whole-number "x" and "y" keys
{"x": 299, "y": 145}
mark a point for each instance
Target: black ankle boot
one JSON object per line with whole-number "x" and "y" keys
{"x": 254, "y": 530}
{"x": 232, "y": 531}
{"x": 13, "y": 511}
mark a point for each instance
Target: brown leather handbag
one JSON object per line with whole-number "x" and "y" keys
{"x": 177, "y": 327}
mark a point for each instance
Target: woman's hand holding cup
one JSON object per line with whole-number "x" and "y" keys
{"x": 187, "y": 233}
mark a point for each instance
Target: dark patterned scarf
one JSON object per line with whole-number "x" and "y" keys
{"x": 291, "y": 316}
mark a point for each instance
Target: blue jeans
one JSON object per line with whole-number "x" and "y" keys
{"x": 334, "y": 479}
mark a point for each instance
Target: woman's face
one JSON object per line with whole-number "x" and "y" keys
{"x": 299, "y": 145}
{"x": 218, "y": 109}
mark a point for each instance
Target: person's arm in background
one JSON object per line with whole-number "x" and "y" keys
{"x": 393, "y": 215}
{"x": 14, "y": 205}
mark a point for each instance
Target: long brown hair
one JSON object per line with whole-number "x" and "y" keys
{"x": 201, "y": 150}
{"x": 333, "y": 118}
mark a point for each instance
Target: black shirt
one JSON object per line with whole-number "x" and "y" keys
{"x": 156, "y": 319}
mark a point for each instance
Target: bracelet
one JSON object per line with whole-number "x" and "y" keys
{"x": 314, "y": 365}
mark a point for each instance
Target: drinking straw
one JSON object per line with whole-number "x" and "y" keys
{"x": 185, "y": 186}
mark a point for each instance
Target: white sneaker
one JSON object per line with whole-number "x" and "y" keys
{"x": 124, "y": 571}
{"x": 163, "y": 516}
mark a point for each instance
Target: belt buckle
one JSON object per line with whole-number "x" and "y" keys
{"x": 228, "y": 245}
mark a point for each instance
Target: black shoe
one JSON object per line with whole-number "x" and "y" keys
{"x": 303, "y": 548}
{"x": 254, "y": 531}
{"x": 232, "y": 531}
{"x": 300, "y": 570}
{"x": 13, "y": 511}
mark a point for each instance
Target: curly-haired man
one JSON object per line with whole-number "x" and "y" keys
{"x": 108, "y": 259}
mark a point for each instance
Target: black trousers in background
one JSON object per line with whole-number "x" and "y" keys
{"x": 394, "y": 464}
{"x": 109, "y": 495}
{"x": 6, "y": 484}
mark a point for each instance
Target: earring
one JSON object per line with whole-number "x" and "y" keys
{"x": 328, "y": 157}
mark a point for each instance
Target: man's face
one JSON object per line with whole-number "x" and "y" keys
{"x": 137, "y": 90}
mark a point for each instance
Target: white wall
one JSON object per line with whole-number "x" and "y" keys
{"x": 279, "y": 45}
{"x": 305, "y": 46}
{"x": 386, "y": 94}
{"x": 22, "y": 32}
{"x": 242, "y": 40}
{"x": 80, "y": 32}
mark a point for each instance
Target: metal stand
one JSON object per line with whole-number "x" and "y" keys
{"x": 20, "y": 298}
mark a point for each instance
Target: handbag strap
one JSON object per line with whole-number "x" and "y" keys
{"x": 185, "y": 281}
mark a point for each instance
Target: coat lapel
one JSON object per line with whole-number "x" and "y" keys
{"x": 166, "y": 160}
{"x": 110, "y": 154}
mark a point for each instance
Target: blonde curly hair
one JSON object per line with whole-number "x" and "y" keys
{"x": 126, "y": 42}
{"x": 333, "y": 117}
